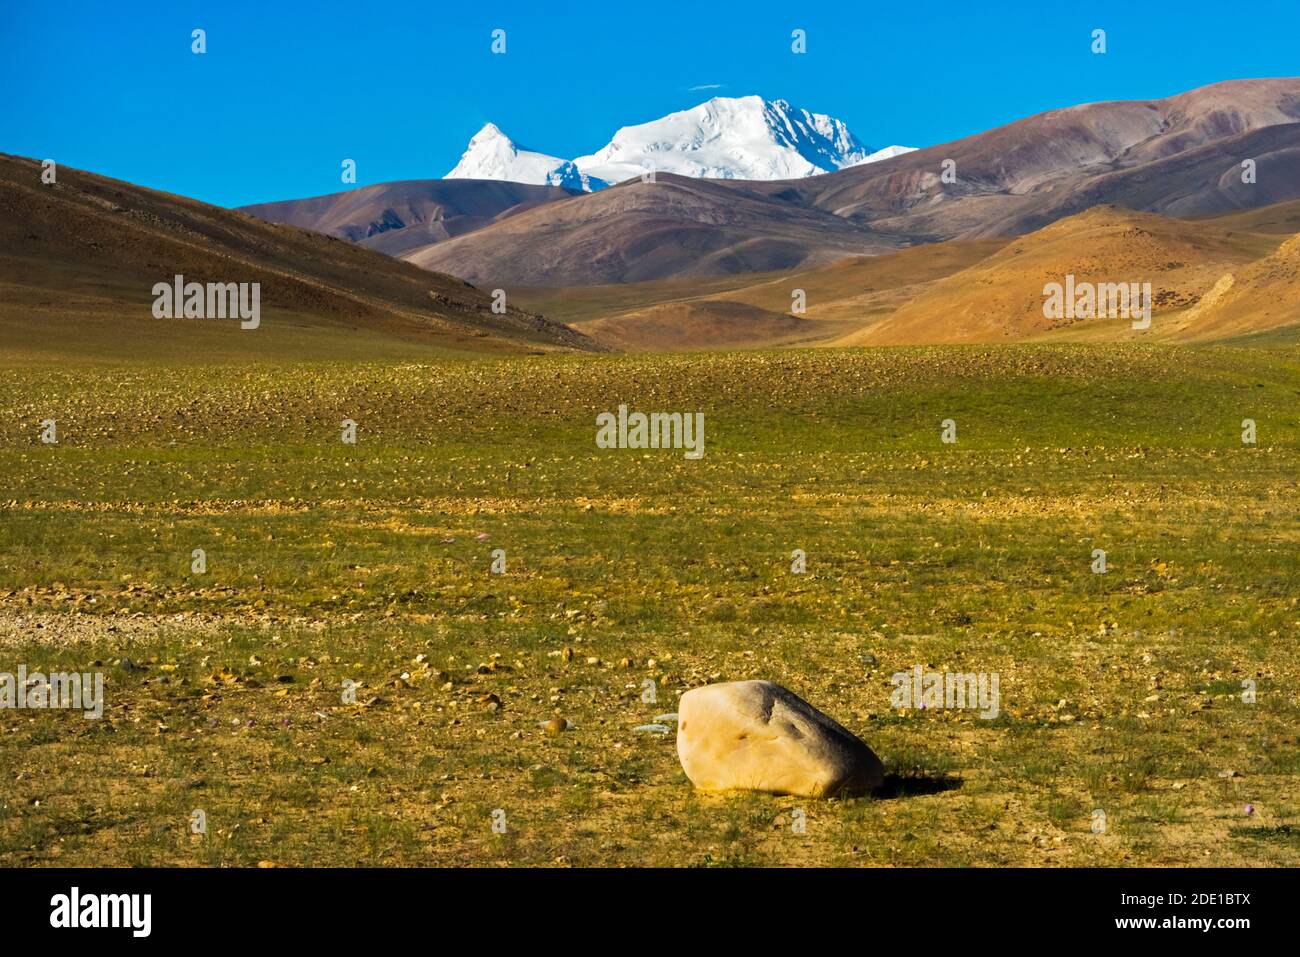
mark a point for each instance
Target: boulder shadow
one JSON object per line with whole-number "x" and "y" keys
{"x": 915, "y": 785}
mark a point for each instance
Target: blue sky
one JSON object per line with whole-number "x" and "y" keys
{"x": 287, "y": 91}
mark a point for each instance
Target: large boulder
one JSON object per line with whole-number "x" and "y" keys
{"x": 759, "y": 736}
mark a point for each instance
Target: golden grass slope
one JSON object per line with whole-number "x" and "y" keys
{"x": 1277, "y": 218}
{"x": 1211, "y": 278}
{"x": 1001, "y": 298}
{"x": 1260, "y": 296}
{"x": 754, "y": 311}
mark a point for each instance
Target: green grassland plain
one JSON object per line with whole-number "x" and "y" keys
{"x": 330, "y": 562}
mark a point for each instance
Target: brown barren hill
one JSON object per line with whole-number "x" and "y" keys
{"x": 639, "y": 231}
{"x": 1180, "y": 156}
{"x": 395, "y": 218}
{"x": 79, "y": 259}
{"x": 1002, "y": 297}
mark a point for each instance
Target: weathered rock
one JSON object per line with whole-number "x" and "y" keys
{"x": 759, "y": 736}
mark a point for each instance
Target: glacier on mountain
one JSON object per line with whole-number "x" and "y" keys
{"x": 724, "y": 138}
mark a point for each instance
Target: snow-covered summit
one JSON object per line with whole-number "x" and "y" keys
{"x": 493, "y": 155}
{"x": 729, "y": 138}
{"x": 744, "y": 137}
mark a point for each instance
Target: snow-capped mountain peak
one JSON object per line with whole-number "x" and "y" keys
{"x": 889, "y": 152}
{"x": 493, "y": 155}
{"x": 744, "y": 137}
{"x": 730, "y": 138}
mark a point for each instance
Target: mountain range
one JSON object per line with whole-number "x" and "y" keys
{"x": 1196, "y": 194}
{"x": 724, "y": 138}
{"x": 1181, "y": 156}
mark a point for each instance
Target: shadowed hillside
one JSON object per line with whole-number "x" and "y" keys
{"x": 640, "y": 231}
{"x": 393, "y": 218}
{"x": 81, "y": 257}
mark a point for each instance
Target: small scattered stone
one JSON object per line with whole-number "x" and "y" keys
{"x": 556, "y": 726}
